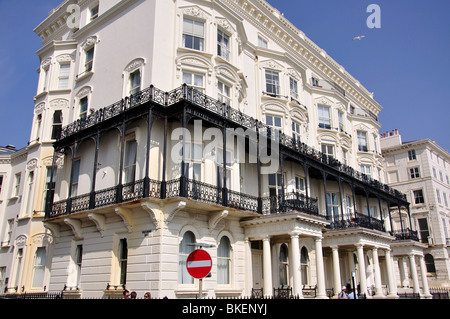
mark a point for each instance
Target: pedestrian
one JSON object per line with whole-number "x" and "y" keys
{"x": 126, "y": 294}
{"x": 343, "y": 293}
{"x": 133, "y": 295}
{"x": 352, "y": 295}
{"x": 148, "y": 295}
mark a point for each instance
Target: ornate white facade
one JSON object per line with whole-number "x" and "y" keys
{"x": 123, "y": 210}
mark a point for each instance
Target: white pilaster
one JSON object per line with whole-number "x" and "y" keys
{"x": 267, "y": 261}
{"x": 321, "y": 292}
{"x": 336, "y": 271}
{"x": 403, "y": 278}
{"x": 390, "y": 274}
{"x": 296, "y": 269}
{"x": 362, "y": 269}
{"x": 412, "y": 264}
{"x": 376, "y": 266}
{"x": 249, "y": 267}
{"x": 423, "y": 271}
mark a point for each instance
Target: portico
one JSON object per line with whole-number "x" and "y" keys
{"x": 285, "y": 237}
{"x": 366, "y": 253}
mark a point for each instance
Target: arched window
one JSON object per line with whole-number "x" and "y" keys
{"x": 284, "y": 265}
{"x": 185, "y": 249}
{"x": 224, "y": 261}
{"x": 304, "y": 262}
{"x": 429, "y": 262}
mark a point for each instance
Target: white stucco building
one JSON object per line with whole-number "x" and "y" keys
{"x": 292, "y": 195}
{"x": 421, "y": 170}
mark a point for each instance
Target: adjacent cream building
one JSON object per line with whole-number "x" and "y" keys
{"x": 421, "y": 170}
{"x": 162, "y": 125}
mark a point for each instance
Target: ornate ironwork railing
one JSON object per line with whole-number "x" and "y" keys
{"x": 204, "y": 192}
{"x": 355, "y": 220}
{"x": 242, "y": 201}
{"x": 405, "y": 234}
{"x": 199, "y": 190}
{"x": 291, "y": 201}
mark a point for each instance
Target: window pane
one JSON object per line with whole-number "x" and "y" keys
{"x": 39, "y": 267}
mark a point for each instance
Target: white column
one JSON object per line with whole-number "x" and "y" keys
{"x": 336, "y": 271}
{"x": 362, "y": 269}
{"x": 267, "y": 262}
{"x": 321, "y": 292}
{"x": 376, "y": 268}
{"x": 249, "y": 266}
{"x": 296, "y": 268}
{"x": 423, "y": 272}
{"x": 412, "y": 264}
{"x": 390, "y": 274}
{"x": 403, "y": 278}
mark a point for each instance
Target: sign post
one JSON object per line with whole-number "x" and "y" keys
{"x": 198, "y": 265}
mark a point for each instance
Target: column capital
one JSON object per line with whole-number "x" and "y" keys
{"x": 334, "y": 247}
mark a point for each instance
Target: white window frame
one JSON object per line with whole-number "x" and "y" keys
{"x": 130, "y": 168}
{"x": 362, "y": 141}
{"x": 263, "y": 42}
{"x": 272, "y": 81}
{"x": 324, "y": 118}
{"x": 94, "y": 14}
{"x": 191, "y": 33}
{"x": 63, "y": 77}
{"x": 75, "y": 177}
{"x": 132, "y": 87}
{"x": 293, "y": 88}
{"x": 366, "y": 169}
{"x": 296, "y": 132}
{"x": 414, "y": 172}
{"x": 223, "y": 44}
{"x": 328, "y": 149}
{"x": 193, "y": 80}
{"x": 412, "y": 155}
{"x": 224, "y": 263}
{"x": 39, "y": 269}
{"x": 89, "y": 64}
{"x": 17, "y": 178}
{"x": 224, "y": 92}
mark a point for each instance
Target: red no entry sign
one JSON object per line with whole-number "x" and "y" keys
{"x": 199, "y": 263}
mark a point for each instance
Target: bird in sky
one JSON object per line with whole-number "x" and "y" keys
{"x": 359, "y": 37}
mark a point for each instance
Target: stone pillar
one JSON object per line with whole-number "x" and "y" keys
{"x": 249, "y": 267}
{"x": 296, "y": 268}
{"x": 362, "y": 269}
{"x": 412, "y": 263}
{"x": 336, "y": 271}
{"x": 423, "y": 272}
{"x": 267, "y": 264}
{"x": 390, "y": 273}
{"x": 376, "y": 268}
{"x": 403, "y": 277}
{"x": 321, "y": 292}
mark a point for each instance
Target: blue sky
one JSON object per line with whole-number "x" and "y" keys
{"x": 405, "y": 62}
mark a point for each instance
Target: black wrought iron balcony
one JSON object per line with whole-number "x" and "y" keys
{"x": 355, "y": 220}
{"x": 187, "y": 188}
{"x": 407, "y": 234}
{"x": 292, "y": 201}
{"x": 200, "y": 100}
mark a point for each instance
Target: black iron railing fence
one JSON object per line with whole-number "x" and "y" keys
{"x": 188, "y": 188}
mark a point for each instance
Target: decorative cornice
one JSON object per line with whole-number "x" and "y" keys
{"x": 273, "y": 24}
